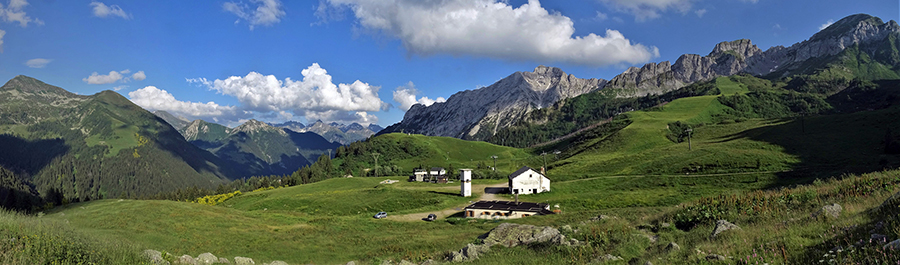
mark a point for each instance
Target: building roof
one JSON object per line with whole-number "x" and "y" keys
{"x": 522, "y": 170}
{"x": 437, "y": 168}
{"x": 540, "y": 208}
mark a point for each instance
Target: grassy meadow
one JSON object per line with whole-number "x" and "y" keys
{"x": 766, "y": 175}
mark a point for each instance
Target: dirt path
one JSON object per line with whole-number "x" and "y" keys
{"x": 489, "y": 193}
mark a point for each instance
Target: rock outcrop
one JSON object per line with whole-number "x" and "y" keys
{"x": 722, "y": 226}
{"x": 478, "y": 114}
{"x": 829, "y": 211}
{"x": 511, "y": 235}
{"x": 742, "y": 56}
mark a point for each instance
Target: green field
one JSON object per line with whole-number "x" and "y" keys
{"x": 325, "y": 223}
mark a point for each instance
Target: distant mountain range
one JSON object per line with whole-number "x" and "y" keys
{"x": 856, "y": 47}
{"x": 259, "y": 148}
{"x": 335, "y": 132}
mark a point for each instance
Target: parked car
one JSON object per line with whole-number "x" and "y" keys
{"x": 380, "y": 215}
{"x": 430, "y": 217}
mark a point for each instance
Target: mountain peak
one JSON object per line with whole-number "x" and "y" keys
{"x": 850, "y": 25}
{"x": 30, "y": 84}
{"x": 254, "y": 126}
{"x": 548, "y": 70}
{"x": 742, "y": 48}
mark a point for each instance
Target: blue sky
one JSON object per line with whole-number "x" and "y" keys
{"x": 367, "y": 61}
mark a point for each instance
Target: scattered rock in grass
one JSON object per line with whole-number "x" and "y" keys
{"x": 889, "y": 201}
{"x": 722, "y": 226}
{"x": 387, "y": 262}
{"x": 351, "y": 263}
{"x": 831, "y": 210}
{"x": 648, "y": 263}
{"x": 406, "y": 262}
{"x": 224, "y": 261}
{"x": 893, "y": 245}
{"x": 428, "y": 262}
{"x": 715, "y": 257}
{"x": 602, "y": 217}
{"x": 652, "y": 238}
{"x": 207, "y": 258}
{"x": 243, "y": 261}
{"x": 277, "y": 262}
{"x": 605, "y": 259}
{"x": 672, "y": 246}
{"x": 878, "y": 238}
{"x": 470, "y": 252}
{"x": 185, "y": 259}
{"x": 155, "y": 257}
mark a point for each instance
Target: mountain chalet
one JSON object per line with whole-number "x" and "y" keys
{"x": 528, "y": 181}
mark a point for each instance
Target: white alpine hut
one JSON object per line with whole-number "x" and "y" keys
{"x": 528, "y": 181}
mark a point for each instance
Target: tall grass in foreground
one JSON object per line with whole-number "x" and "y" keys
{"x": 35, "y": 240}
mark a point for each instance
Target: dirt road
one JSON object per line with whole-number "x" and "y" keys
{"x": 488, "y": 193}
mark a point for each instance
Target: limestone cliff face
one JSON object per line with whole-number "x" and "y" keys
{"x": 478, "y": 114}
{"x": 742, "y": 56}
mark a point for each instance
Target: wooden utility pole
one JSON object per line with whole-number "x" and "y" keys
{"x": 689, "y": 131}
{"x": 375, "y": 155}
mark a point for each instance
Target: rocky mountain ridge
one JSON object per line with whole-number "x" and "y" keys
{"x": 335, "y": 132}
{"x": 742, "y": 56}
{"x": 477, "y": 114}
{"x": 259, "y": 147}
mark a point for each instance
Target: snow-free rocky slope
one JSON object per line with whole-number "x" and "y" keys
{"x": 478, "y": 114}
{"x": 742, "y": 56}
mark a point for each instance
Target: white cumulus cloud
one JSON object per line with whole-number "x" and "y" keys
{"x": 103, "y": 10}
{"x": 266, "y": 13}
{"x": 2, "y": 32}
{"x": 492, "y": 28}
{"x": 316, "y": 96}
{"x": 827, "y": 23}
{"x": 406, "y": 96}
{"x": 152, "y": 98}
{"x": 644, "y": 10}
{"x": 139, "y": 76}
{"x": 14, "y": 13}
{"x": 98, "y": 79}
{"x": 114, "y": 76}
{"x": 37, "y": 62}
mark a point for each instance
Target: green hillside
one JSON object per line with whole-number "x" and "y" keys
{"x": 72, "y": 147}
{"x": 400, "y": 153}
{"x": 771, "y": 130}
